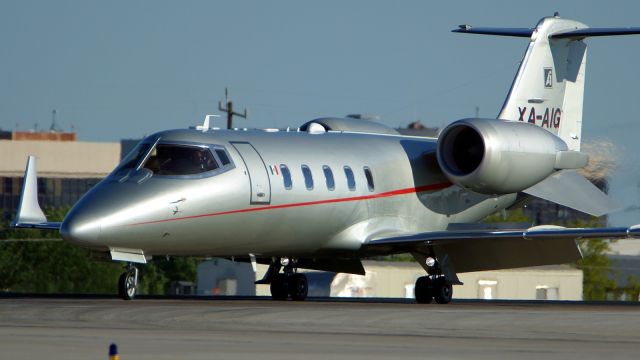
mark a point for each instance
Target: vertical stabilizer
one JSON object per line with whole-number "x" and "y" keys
{"x": 549, "y": 86}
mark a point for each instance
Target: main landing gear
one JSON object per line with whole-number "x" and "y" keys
{"x": 288, "y": 284}
{"x": 432, "y": 287}
{"x": 285, "y": 285}
{"x": 128, "y": 283}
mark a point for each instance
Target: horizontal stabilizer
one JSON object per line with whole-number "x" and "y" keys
{"x": 517, "y": 32}
{"x": 526, "y": 32}
{"x": 592, "y": 32}
{"x": 570, "y": 189}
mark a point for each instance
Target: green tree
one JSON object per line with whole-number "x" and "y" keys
{"x": 157, "y": 275}
{"x": 514, "y": 216}
{"x": 595, "y": 264}
{"x": 54, "y": 267}
{"x": 41, "y": 262}
{"x": 596, "y": 269}
{"x": 633, "y": 289}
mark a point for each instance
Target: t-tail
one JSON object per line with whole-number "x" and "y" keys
{"x": 534, "y": 145}
{"x": 549, "y": 85}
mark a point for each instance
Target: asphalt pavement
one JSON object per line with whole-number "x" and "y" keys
{"x": 83, "y": 327}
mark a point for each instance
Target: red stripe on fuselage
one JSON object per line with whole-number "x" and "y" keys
{"x": 309, "y": 203}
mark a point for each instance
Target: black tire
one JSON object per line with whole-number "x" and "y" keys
{"x": 279, "y": 288}
{"x": 423, "y": 290}
{"x": 121, "y": 285}
{"x": 125, "y": 291}
{"x": 442, "y": 291}
{"x": 298, "y": 287}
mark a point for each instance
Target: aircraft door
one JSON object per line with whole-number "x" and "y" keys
{"x": 257, "y": 172}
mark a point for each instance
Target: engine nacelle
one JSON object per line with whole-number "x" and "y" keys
{"x": 493, "y": 156}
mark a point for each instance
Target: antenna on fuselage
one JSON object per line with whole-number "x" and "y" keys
{"x": 206, "y": 124}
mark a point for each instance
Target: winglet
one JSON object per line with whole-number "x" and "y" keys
{"x": 29, "y": 211}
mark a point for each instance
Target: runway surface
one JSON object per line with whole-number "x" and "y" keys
{"x": 83, "y": 328}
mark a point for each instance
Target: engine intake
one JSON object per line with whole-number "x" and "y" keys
{"x": 492, "y": 156}
{"x": 463, "y": 150}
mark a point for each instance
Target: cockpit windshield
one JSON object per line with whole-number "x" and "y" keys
{"x": 169, "y": 159}
{"x": 134, "y": 157}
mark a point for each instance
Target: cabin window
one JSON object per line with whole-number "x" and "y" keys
{"x": 351, "y": 180}
{"x": 169, "y": 159}
{"x": 308, "y": 179}
{"x": 369, "y": 176}
{"x": 286, "y": 176}
{"x": 328, "y": 175}
{"x": 224, "y": 158}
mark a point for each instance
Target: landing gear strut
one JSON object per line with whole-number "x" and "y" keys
{"x": 286, "y": 284}
{"x": 128, "y": 283}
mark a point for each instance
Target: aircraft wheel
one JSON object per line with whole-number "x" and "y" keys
{"x": 279, "y": 288}
{"x": 443, "y": 291}
{"x": 298, "y": 287}
{"x": 423, "y": 290}
{"x": 127, "y": 285}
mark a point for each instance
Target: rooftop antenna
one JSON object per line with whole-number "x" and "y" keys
{"x": 228, "y": 108}
{"x": 54, "y": 126}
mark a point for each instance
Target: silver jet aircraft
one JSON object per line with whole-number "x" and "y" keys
{"x": 336, "y": 190}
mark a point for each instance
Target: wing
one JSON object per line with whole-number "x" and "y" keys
{"x": 478, "y": 250}
{"x": 42, "y": 225}
{"x": 534, "y": 233}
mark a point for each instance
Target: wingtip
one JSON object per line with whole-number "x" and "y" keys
{"x": 29, "y": 210}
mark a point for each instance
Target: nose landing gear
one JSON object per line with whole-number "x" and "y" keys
{"x": 128, "y": 283}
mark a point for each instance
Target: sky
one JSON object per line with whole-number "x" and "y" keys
{"x": 125, "y": 69}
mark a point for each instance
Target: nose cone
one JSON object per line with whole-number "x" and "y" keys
{"x": 80, "y": 229}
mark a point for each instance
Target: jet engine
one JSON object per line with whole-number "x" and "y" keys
{"x": 495, "y": 157}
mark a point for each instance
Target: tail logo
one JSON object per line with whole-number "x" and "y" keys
{"x": 548, "y": 78}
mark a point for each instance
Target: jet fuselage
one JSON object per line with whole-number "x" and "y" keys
{"x": 249, "y": 205}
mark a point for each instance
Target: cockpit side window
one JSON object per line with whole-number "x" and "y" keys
{"x": 169, "y": 159}
{"x": 224, "y": 158}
